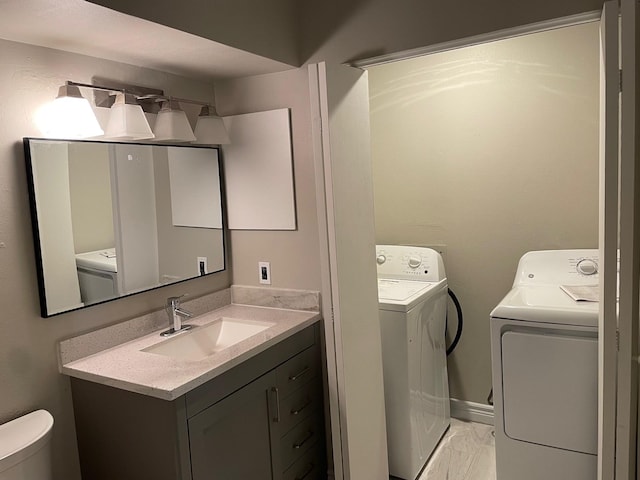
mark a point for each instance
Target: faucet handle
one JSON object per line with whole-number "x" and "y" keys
{"x": 174, "y": 302}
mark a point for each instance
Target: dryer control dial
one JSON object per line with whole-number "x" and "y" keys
{"x": 586, "y": 266}
{"x": 414, "y": 261}
{"x": 380, "y": 259}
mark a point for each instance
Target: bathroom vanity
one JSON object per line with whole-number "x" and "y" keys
{"x": 255, "y": 412}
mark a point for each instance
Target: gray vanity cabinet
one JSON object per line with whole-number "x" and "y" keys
{"x": 261, "y": 420}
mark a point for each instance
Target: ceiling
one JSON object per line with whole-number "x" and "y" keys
{"x": 81, "y": 27}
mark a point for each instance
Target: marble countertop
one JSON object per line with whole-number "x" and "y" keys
{"x": 127, "y": 367}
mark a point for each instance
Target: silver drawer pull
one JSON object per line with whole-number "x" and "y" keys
{"x": 276, "y": 395}
{"x": 307, "y": 472}
{"x": 309, "y": 436}
{"x": 302, "y": 372}
{"x": 300, "y": 409}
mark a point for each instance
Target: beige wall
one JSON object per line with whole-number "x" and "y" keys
{"x": 91, "y": 206}
{"x": 491, "y": 150}
{"x": 293, "y": 254}
{"x": 29, "y": 378}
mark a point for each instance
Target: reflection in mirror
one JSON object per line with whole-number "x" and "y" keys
{"x": 113, "y": 219}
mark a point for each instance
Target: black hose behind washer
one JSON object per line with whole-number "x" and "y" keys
{"x": 456, "y": 339}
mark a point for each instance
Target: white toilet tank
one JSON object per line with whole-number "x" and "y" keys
{"x": 25, "y": 450}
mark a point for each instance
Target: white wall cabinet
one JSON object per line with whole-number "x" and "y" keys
{"x": 258, "y": 171}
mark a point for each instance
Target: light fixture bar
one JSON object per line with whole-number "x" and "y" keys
{"x": 104, "y": 90}
{"x": 172, "y": 123}
{"x": 163, "y": 98}
{"x": 141, "y": 93}
{"x": 94, "y": 87}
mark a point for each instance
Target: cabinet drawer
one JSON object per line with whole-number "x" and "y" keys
{"x": 225, "y": 384}
{"x": 307, "y": 467}
{"x": 297, "y": 371}
{"x": 299, "y": 405}
{"x": 299, "y": 440}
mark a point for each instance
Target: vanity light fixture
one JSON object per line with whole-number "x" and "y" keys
{"x": 210, "y": 129}
{"x": 172, "y": 124}
{"x": 69, "y": 116}
{"x": 127, "y": 120}
{"x": 73, "y": 116}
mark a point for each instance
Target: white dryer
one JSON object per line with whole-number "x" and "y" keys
{"x": 412, "y": 292}
{"x": 545, "y": 370}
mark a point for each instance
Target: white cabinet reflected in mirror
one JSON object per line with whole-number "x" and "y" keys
{"x": 114, "y": 219}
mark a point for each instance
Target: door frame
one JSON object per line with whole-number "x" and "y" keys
{"x": 333, "y": 335}
{"x": 629, "y": 245}
{"x": 340, "y": 121}
{"x": 608, "y": 240}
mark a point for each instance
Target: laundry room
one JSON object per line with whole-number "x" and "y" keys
{"x": 483, "y": 153}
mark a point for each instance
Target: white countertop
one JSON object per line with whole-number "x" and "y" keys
{"x": 125, "y": 366}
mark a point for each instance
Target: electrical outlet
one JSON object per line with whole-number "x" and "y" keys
{"x": 264, "y": 273}
{"x": 202, "y": 265}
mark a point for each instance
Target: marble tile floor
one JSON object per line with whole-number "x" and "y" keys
{"x": 467, "y": 452}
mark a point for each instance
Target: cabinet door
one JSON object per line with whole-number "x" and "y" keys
{"x": 231, "y": 439}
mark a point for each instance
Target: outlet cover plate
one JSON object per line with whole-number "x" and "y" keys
{"x": 264, "y": 273}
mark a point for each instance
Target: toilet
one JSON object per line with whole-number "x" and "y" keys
{"x": 25, "y": 447}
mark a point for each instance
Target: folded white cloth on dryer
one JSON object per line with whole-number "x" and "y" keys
{"x": 582, "y": 293}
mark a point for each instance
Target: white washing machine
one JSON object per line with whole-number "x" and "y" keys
{"x": 412, "y": 292}
{"x": 97, "y": 275}
{"x": 545, "y": 370}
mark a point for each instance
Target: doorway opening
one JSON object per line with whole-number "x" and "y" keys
{"x": 488, "y": 151}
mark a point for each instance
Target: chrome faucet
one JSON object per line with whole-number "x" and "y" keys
{"x": 175, "y": 313}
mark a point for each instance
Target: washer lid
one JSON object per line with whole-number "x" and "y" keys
{"x": 402, "y": 295}
{"x": 104, "y": 260}
{"x": 399, "y": 290}
{"x": 546, "y": 304}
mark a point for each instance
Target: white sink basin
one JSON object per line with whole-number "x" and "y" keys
{"x": 204, "y": 341}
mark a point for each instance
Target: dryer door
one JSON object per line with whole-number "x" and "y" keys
{"x": 550, "y": 389}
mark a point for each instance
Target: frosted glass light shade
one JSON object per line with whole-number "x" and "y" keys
{"x": 127, "y": 120}
{"x": 210, "y": 129}
{"x": 172, "y": 125}
{"x": 69, "y": 116}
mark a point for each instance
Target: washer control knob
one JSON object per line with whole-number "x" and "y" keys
{"x": 587, "y": 266}
{"x": 414, "y": 262}
{"x": 381, "y": 259}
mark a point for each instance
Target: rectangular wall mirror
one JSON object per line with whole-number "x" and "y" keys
{"x": 114, "y": 219}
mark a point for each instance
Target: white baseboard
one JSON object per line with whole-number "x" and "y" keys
{"x": 470, "y": 411}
